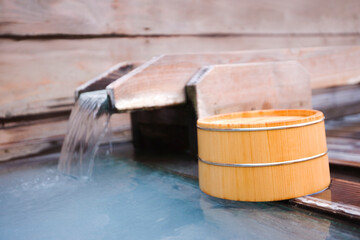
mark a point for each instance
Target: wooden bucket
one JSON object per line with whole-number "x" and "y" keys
{"x": 263, "y": 155}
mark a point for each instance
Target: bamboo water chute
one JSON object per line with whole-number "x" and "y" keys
{"x": 263, "y": 155}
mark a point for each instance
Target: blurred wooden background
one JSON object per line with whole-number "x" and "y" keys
{"x": 48, "y": 48}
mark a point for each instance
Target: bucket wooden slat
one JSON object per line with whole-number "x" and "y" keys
{"x": 263, "y": 183}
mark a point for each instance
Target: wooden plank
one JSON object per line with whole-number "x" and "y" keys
{"x": 344, "y": 127}
{"x": 31, "y": 137}
{"x": 45, "y": 134}
{"x": 28, "y": 138}
{"x": 38, "y": 77}
{"x": 345, "y": 132}
{"x": 104, "y": 79}
{"x": 337, "y": 101}
{"x": 345, "y": 151}
{"x": 143, "y": 17}
{"x": 343, "y": 140}
{"x": 228, "y": 88}
{"x": 57, "y": 67}
{"x": 163, "y": 78}
{"x": 341, "y": 199}
{"x": 341, "y": 162}
{"x": 343, "y": 122}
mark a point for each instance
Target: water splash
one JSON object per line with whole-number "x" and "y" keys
{"x": 88, "y": 124}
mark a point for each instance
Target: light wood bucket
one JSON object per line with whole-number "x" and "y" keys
{"x": 266, "y": 155}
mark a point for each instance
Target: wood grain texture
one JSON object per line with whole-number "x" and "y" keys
{"x": 57, "y": 67}
{"x": 24, "y": 137}
{"x": 337, "y": 101}
{"x": 269, "y": 183}
{"x": 225, "y": 88}
{"x": 343, "y": 140}
{"x": 161, "y": 81}
{"x": 100, "y": 82}
{"x": 344, "y": 127}
{"x": 28, "y": 138}
{"x": 41, "y": 77}
{"x": 344, "y": 151}
{"x": 143, "y": 17}
{"x": 341, "y": 199}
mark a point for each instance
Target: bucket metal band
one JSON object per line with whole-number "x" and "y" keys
{"x": 262, "y": 164}
{"x": 261, "y": 128}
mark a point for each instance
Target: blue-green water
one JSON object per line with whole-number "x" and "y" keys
{"x": 128, "y": 200}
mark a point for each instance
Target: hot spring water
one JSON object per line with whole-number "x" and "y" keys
{"x": 88, "y": 124}
{"x": 126, "y": 199}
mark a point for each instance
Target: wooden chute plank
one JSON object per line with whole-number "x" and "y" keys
{"x": 228, "y": 88}
{"x": 160, "y": 82}
{"x": 104, "y": 79}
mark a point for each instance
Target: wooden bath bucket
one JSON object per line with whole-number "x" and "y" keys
{"x": 263, "y": 155}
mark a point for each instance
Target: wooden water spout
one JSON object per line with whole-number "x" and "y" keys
{"x": 100, "y": 82}
{"x": 242, "y": 87}
{"x": 170, "y": 83}
{"x": 161, "y": 81}
{"x": 159, "y": 92}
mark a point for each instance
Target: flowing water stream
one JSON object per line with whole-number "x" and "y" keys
{"x": 88, "y": 124}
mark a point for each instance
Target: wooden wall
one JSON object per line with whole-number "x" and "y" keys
{"x": 48, "y": 48}
{"x": 178, "y": 17}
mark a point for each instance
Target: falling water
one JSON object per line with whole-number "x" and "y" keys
{"x": 88, "y": 124}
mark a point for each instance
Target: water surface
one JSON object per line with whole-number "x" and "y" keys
{"x": 128, "y": 200}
